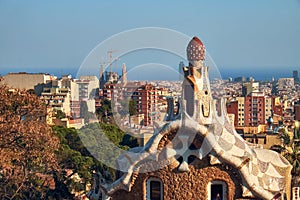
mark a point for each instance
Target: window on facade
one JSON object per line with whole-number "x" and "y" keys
{"x": 217, "y": 190}
{"x": 154, "y": 189}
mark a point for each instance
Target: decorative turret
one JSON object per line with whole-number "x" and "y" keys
{"x": 197, "y": 100}
{"x": 195, "y": 50}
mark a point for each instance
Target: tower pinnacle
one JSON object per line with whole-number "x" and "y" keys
{"x": 124, "y": 74}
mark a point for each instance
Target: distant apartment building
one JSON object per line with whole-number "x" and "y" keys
{"x": 115, "y": 91}
{"x": 269, "y": 108}
{"x": 276, "y": 106}
{"x": 88, "y": 87}
{"x": 240, "y": 79}
{"x": 63, "y": 94}
{"x": 146, "y": 98}
{"x": 109, "y": 91}
{"x": 28, "y": 81}
{"x": 68, "y": 82}
{"x": 285, "y": 83}
{"x": 57, "y": 98}
{"x": 254, "y": 109}
{"x": 249, "y": 88}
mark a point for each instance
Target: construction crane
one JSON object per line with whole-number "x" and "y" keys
{"x": 111, "y": 58}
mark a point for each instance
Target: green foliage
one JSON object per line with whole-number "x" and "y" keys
{"x": 60, "y": 114}
{"x": 285, "y": 137}
{"x": 104, "y": 112}
{"x": 84, "y": 150}
{"x": 132, "y": 107}
{"x": 72, "y": 152}
{"x": 291, "y": 149}
{"x": 129, "y": 141}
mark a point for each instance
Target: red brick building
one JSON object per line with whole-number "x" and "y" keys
{"x": 232, "y": 108}
{"x": 146, "y": 97}
{"x": 254, "y": 110}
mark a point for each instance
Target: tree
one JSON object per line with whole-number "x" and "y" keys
{"x": 73, "y": 157}
{"x": 60, "y": 114}
{"x": 27, "y": 146}
{"x": 132, "y": 107}
{"x": 97, "y": 137}
{"x": 291, "y": 151}
{"x": 105, "y": 110}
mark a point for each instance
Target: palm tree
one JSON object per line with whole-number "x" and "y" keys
{"x": 284, "y": 136}
{"x": 291, "y": 151}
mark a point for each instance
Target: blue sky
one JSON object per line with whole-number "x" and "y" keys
{"x": 242, "y": 36}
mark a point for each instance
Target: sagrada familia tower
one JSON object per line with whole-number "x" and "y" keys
{"x": 198, "y": 154}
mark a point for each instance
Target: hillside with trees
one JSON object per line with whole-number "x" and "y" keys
{"x": 42, "y": 162}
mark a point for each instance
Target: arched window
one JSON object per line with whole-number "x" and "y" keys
{"x": 217, "y": 190}
{"x": 154, "y": 189}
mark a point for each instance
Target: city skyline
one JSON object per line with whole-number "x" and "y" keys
{"x": 243, "y": 38}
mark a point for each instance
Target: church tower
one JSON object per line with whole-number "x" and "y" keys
{"x": 124, "y": 74}
{"x": 101, "y": 78}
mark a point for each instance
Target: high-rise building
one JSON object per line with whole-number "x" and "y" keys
{"x": 254, "y": 110}
{"x": 180, "y": 70}
{"x": 146, "y": 97}
{"x": 295, "y": 75}
{"x": 240, "y": 79}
